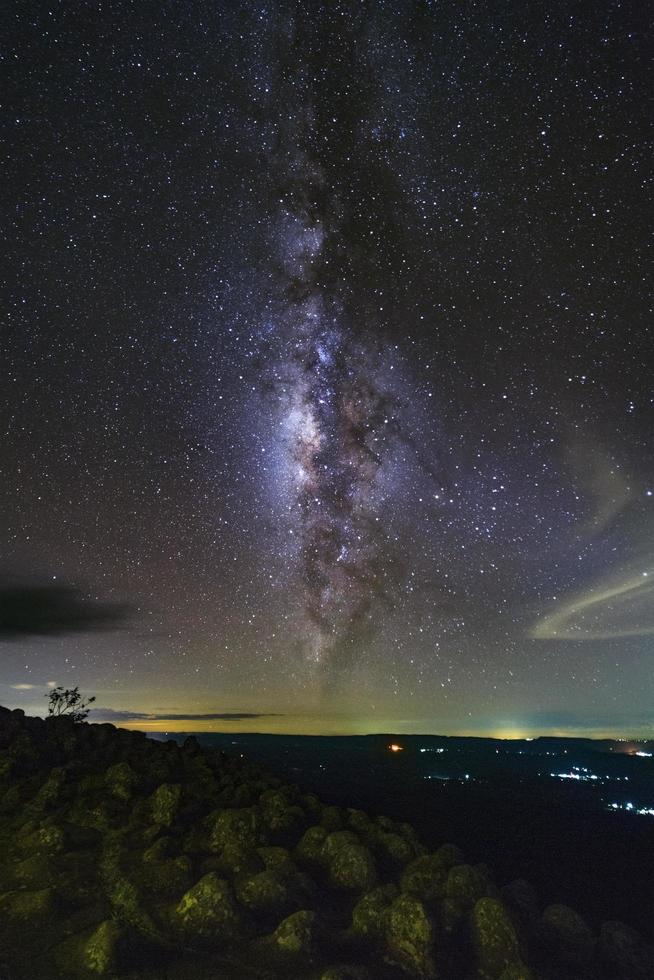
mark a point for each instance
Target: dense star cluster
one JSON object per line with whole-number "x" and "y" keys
{"x": 325, "y": 350}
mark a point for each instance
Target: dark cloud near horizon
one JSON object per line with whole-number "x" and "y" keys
{"x": 109, "y": 714}
{"x": 54, "y": 610}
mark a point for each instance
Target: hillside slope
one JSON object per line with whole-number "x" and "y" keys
{"x": 125, "y": 857}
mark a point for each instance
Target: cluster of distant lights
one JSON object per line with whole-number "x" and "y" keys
{"x": 643, "y": 811}
{"x": 584, "y": 775}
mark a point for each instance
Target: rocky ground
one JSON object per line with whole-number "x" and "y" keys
{"x": 129, "y": 858}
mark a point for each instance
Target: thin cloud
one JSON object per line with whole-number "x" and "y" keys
{"x": 110, "y": 714}
{"x": 53, "y": 610}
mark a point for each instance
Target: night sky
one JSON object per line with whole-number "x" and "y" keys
{"x": 327, "y": 398}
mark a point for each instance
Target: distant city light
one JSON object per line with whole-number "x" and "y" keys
{"x": 645, "y": 755}
{"x": 396, "y": 748}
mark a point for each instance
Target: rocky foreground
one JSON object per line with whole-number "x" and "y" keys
{"x": 125, "y": 857}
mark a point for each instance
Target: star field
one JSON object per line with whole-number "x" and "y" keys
{"x": 326, "y": 348}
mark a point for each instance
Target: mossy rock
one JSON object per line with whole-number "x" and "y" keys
{"x": 309, "y": 847}
{"x": 494, "y": 939}
{"x": 353, "y": 868}
{"x": 168, "y": 877}
{"x": 396, "y": 848}
{"x": 121, "y": 781}
{"x": 466, "y": 884}
{"x": 566, "y": 936}
{"x": 43, "y": 839}
{"x": 207, "y": 911}
{"x": 517, "y": 973}
{"x": 450, "y": 913}
{"x": 624, "y": 953}
{"x": 449, "y": 855}
{"x": 51, "y": 792}
{"x": 34, "y": 872}
{"x": 165, "y": 803}
{"x": 334, "y": 842}
{"x": 409, "y": 935}
{"x": 27, "y": 907}
{"x": 425, "y": 878}
{"x": 370, "y": 913}
{"x": 332, "y": 819}
{"x": 237, "y": 859}
{"x": 521, "y": 900}
{"x": 100, "y": 952}
{"x": 359, "y": 822}
{"x": 296, "y": 934}
{"x": 268, "y": 892}
{"x": 275, "y": 857}
{"x": 240, "y": 827}
{"x": 345, "y": 971}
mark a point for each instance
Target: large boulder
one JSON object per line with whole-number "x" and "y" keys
{"x": 465, "y": 884}
{"x": 309, "y": 848}
{"x": 207, "y": 910}
{"x": 425, "y": 878}
{"x": 409, "y": 935}
{"x": 27, "y": 908}
{"x": 267, "y": 893}
{"x": 494, "y": 939}
{"x": 240, "y": 827}
{"x": 334, "y": 842}
{"x": 623, "y": 953}
{"x": 353, "y": 868}
{"x": 296, "y": 934}
{"x": 566, "y": 936}
{"x": 100, "y": 952}
{"x": 371, "y": 911}
{"x": 165, "y": 803}
{"x": 121, "y": 781}
{"x": 283, "y": 819}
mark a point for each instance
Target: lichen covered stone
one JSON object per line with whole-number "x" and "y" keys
{"x": 370, "y": 913}
{"x": 465, "y": 884}
{"x": 100, "y": 951}
{"x": 236, "y": 827}
{"x": 165, "y": 803}
{"x": 567, "y": 936}
{"x": 494, "y": 939}
{"x": 207, "y": 910}
{"x": 425, "y": 878}
{"x": 353, "y": 868}
{"x": 296, "y": 933}
{"x": 409, "y": 935}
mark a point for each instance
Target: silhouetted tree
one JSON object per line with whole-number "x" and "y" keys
{"x": 68, "y": 702}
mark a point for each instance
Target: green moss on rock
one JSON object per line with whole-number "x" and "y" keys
{"x": 409, "y": 934}
{"x": 295, "y": 934}
{"x": 353, "y": 868}
{"x": 566, "y": 935}
{"x": 309, "y": 847}
{"x": 268, "y": 892}
{"x": 370, "y": 913}
{"x": 425, "y": 878}
{"x": 236, "y": 827}
{"x": 121, "y": 781}
{"x": 27, "y": 907}
{"x": 165, "y": 803}
{"x": 207, "y": 910}
{"x": 465, "y": 884}
{"x": 493, "y": 938}
{"x": 100, "y": 952}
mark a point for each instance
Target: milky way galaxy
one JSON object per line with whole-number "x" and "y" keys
{"x": 325, "y": 353}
